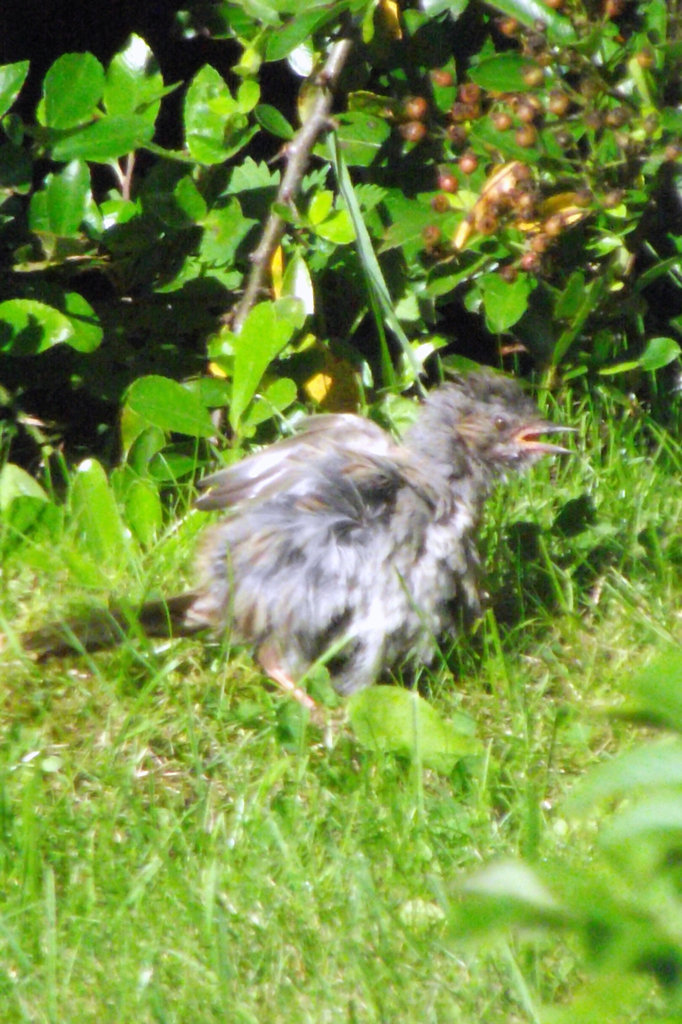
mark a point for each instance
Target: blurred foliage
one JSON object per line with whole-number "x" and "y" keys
{"x": 626, "y": 903}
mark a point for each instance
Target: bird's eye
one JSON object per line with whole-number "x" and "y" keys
{"x": 500, "y": 423}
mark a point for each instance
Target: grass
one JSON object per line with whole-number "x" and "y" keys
{"x": 176, "y": 845}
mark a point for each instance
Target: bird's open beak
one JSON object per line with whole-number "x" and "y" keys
{"x": 528, "y": 438}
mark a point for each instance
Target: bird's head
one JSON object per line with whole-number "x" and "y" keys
{"x": 488, "y": 420}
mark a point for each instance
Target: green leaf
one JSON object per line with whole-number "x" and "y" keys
{"x": 105, "y": 140}
{"x": 657, "y": 689}
{"x": 225, "y": 227}
{"x": 72, "y": 89}
{"x": 97, "y": 516}
{"x": 86, "y": 326}
{"x": 273, "y": 121}
{"x": 505, "y": 301}
{"x": 568, "y": 303}
{"x": 15, "y": 483}
{"x": 184, "y": 207}
{"x": 295, "y": 31}
{"x": 16, "y": 169}
{"x": 216, "y": 125}
{"x": 28, "y": 515}
{"x": 645, "y": 768}
{"x": 453, "y": 7}
{"x": 164, "y": 403}
{"x": 391, "y": 719}
{"x": 134, "y": 84}
{"x": 661, "y": 815}
{"x": 275, "y": 398}
{"x": 28, "y": 327}
{"x": 510, "y": 880}
{"x": 143, "y": 511}
{"x": 267, "y": 330}
{"x": 12, "y": 77}
{"x": 67, "y": 198}
{"x": 361, "y": 136}
{"x": 502, "y": 73}
{"x": 528, "y": 12}
{"x": 337, "y": 228}
{"x": 320, "y": 205}
{"x": 658, "y": 353}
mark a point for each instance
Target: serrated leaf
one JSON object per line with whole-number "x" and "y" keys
{"x": 12, "y": 78}
{"x": 72, "y": 89}
{"x": 391, "y": 719}
{"x": 166, "y": 404}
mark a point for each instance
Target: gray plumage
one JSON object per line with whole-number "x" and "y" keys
{"x": 341, "y": 538}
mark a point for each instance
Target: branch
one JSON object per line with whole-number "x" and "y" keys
{"x": 297, "y": 157}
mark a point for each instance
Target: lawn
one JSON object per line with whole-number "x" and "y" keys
{"x": 177, "y": 844}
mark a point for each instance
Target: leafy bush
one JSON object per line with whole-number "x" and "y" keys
{"x": 522, "y": 190}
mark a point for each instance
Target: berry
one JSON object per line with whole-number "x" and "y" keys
{"x": 440, "y": 204}
{"x": 558, "y": 102}
{"x": 526, "y": 135}
{"x": 442, "y": 78}
{"x": 501, "y": 120}
{"x": 533, "y": 76}
{"x": 413, "y": 131}
{"x": 469, "y": 92}
{"x": 415, "y": 108}
{"x": 447, "y": 181}
{"x": 468, "y": 162}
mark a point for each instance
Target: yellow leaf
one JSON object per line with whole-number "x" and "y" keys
{"x": 216, "y": 371}
{"x": 334, "y": 387}
{"x": 277, "y": 271}
{"x": 389, "y": 12}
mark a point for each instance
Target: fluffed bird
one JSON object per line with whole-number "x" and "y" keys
{"x": 341, "y": 541}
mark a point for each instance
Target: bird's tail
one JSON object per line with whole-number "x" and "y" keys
{"x": 104, "y": 628}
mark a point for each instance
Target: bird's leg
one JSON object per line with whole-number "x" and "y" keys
{"x": 269, "y": 661}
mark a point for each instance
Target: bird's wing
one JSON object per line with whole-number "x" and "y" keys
{"x": 343, "y": 443}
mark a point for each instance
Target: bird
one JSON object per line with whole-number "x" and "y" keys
{"x": 343, "y": 544}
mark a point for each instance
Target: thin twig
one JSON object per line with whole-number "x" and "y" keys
{"x": 298, "y": 154}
